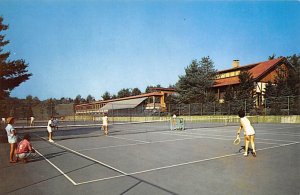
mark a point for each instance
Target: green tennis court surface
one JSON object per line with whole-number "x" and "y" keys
{"x": 150, "y": 158}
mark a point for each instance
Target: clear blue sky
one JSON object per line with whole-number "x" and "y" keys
{"x": 89, "y": 47}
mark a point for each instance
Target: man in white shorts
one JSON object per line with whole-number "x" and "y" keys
{"x": 49, "y": 129}
{"x": 105, "y": 124}
{"x": 174, "y": 122}
{"x": 249, "y": 133}
{"x": 31, "y": 121}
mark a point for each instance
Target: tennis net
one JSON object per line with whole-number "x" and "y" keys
{"x": 207, "y": 122}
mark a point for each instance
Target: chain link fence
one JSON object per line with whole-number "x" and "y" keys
{"x": 288, "y": 105}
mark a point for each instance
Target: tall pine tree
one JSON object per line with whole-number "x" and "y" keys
{"x": 195, "y": 85}
{"x": 12, "y": 72}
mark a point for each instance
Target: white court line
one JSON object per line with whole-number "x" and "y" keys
{"x": 221, "y": 129}
{"x": 181, "y": 164}
{"x": 286, "y": 134}
{"x": 207, "y": 136}
{"x": 87, "y": 157}
{"x": 66, "y": 176}
{"x": 128, "y": 139}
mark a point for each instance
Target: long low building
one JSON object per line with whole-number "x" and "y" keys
{"x": 151, "y": 102}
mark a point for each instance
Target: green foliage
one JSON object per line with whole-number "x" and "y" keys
{"x": 136, "y": 91}
{"x": 12, "y": 73}
{"x": 272, "y": 57}
{"x": 246, "y": 87}
{"x": 106, "y": 96}
{"x": 79, "y": 100}
{"x": 294, "y": 75}
{"x": 229, "y": 94}
{"x": 90, "y": 99}
{"x": 124, "y": 93}
{"x": 195, "y": 85}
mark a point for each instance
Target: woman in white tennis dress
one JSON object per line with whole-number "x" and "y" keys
{"x": 249, "y": 132}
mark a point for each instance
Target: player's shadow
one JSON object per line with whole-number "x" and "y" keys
{"x": 47, "y": 156}
{"x": 243, "y": 149}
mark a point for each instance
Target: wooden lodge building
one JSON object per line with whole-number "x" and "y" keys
{"x": 262, "y": 73}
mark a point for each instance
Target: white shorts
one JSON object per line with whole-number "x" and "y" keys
{"x": 49, "y": 129}
{"x": 26, "y": 155}
{"x": 12, "y": 140}
{"x": 249, "y": 131}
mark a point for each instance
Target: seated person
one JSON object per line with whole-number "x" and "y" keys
{"x": 24, "y": 149}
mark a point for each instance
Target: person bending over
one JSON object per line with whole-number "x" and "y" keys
{"x": 249, "y": 132}
{"x": 25, "y": 150}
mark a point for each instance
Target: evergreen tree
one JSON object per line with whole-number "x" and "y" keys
{"x": 246, "y": 87}
{"x": 90, "y": 99}
{"x": 229, "y": 94}
{"x": 78, "y": 100}
{"x": 124, "y": 93}
{"x": 136, "y": 91}
{"x": 245, "y": 91}
{"x": 195, "y": 85}
{"x": 106, "y": 96}
{"x": 294, "y": 75}
{"x": 272, "y": 57}
{"x": 270, "y": 90}
{"x": 12, "y": 72}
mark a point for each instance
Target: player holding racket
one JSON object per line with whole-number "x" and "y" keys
{"x": 249, "y": 133}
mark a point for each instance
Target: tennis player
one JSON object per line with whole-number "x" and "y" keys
{"x": 31, "y": 121}
{"x": 49, "y": 129}
{"x": 105, "y": 123}
{"x": 11, "y": 138}
{"x": 249, "y": 132}
{"x": 174, "y": 121}
{"x": 25, "y": 150}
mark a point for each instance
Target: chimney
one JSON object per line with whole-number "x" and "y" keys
{"x": 235, "y": 63}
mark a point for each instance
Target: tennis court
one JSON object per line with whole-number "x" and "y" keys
{"x": 149, "y": 158}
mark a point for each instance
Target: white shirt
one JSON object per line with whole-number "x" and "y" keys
{"x": 248, "y": 129}
{"x": 10, "y": 136}
{"x": 49, "y": 128}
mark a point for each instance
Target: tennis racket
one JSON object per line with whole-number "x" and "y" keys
{"x": 237, "y": 140}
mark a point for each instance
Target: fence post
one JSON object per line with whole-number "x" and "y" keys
{"x": 201, "y": 109}
{"x": 113, "y": 117}
{"x": 214, "y": 108}
{"x": 288, "y": 105}
{"x": 265, "y": 106}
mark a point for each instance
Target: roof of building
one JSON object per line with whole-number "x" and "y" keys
{"x": 123, "y": 104}
{"x": 125, "y": 98}
{"x": 258, "y": 70}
